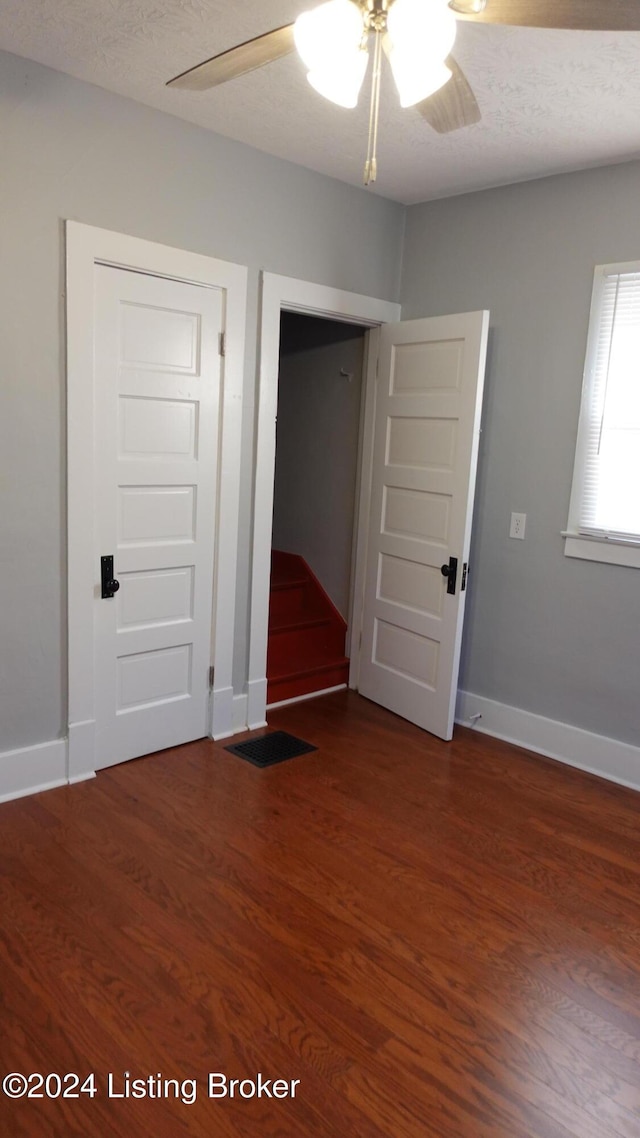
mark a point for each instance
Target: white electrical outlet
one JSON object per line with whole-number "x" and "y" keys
{"x": 518, "y": 524}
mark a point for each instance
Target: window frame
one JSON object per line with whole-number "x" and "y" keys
{"x": 595, "y": 547}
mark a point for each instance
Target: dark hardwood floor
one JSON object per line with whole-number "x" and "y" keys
{"x": 437, "y": 940}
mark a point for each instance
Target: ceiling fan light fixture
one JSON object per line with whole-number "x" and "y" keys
{"x": 424, "y": 28}
{"x": 330, "y": 40}
{"x": 341, "y": 81}
{"x": 328, "y": 33}
{"x": 468, "y": 7}
{"x": 417, "y": 79}
{"x": 420, "y": 36}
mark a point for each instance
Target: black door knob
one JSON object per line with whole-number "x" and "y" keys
{"x": 109, "y": 583}
{"x": 450, "y": 571}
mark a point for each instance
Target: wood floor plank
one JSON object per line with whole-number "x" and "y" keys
{"x": 438, "y": 940}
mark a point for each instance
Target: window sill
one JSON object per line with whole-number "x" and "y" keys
{"x": 599, "y": 549}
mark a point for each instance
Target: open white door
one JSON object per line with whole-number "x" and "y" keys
{"x": 427, "y": 426}
{"x": 157, "y": 380}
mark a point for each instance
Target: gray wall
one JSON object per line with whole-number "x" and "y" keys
{"x": 317, "y": 447}
{"x": 70, "y": 150}
{"x": 547, "y": 633}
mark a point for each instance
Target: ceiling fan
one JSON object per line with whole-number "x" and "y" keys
{"x": 417, "y": 36}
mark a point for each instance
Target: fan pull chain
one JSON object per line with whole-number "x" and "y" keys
{"x": 371, "y": 165}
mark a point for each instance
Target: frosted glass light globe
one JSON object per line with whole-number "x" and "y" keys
{"x": 330, "y": 40}
{"x": 426, "y": 27}
{"x": 420, "y": 36}
{"x": 331, "y": 29}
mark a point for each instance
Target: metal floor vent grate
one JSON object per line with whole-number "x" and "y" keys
{"x": 270, "y": 749}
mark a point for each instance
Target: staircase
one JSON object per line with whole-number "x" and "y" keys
{"x": 306, "y": 633}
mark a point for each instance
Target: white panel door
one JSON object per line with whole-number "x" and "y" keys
{"x": 157, "y": 387}
{"x": 427, "y": 426}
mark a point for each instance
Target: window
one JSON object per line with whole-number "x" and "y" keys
{"x": 604, "y": 516}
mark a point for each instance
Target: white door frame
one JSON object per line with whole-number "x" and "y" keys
{"x": 87, "y": 246}
{"x": 287, "y": 293}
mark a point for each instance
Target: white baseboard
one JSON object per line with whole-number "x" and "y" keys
{"x": 240, "y": 707}
{"x": 81, "y": 751}
{"x": 597, "y": 754}
{"x": 304, "y": 698}
{"x": 224, "y": 730}
{"x": 29, "y": 770}
{"x": 221, "y": 713}
{"x": 256, "y": 703}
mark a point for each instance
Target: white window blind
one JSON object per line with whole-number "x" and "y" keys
{"x": 608, "y": 464}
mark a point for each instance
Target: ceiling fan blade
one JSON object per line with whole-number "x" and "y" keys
{"x": 581, "y": 15}
{"x": 453, "y": 105}
{"x": 237, "y": 60}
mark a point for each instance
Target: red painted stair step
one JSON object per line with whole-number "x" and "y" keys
{"x": 306, "y": 633}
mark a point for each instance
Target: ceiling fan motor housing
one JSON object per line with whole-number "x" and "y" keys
{"x": 375, "y": 14}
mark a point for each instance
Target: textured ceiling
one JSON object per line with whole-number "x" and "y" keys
{"x": 551, "y": 101}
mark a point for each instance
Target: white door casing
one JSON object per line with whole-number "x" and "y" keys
{"x": 425, "y": 449}
{"x": 158, "y": 377}
{"x": 88, "y": 250}
{"x": 285, "y": 293}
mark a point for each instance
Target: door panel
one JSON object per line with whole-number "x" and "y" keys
{"x": 162, "y": 428}
{"x": 427, "y": 423}
{"x": 159, "y": 597}
{"x": 157, "y": 374}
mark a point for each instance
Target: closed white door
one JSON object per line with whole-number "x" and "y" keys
{"x": 427, "y": 425}
{"x": 157, "y": 383}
